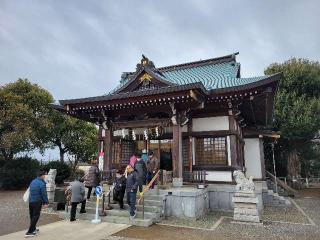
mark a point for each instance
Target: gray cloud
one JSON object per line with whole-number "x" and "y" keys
{"x": 79, "y": 48}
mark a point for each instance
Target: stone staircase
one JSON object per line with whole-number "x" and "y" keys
{"x": 153, "y": 211}
{"x": 272, "y": 198}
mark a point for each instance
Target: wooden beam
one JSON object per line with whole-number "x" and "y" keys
{"x": 151, "y": 122}
{"x": 220, "y": 133}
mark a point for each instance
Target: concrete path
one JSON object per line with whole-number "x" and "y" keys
{"x": 71, "y": 231}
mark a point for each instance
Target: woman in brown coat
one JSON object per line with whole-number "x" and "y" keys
{"x": 92, "y": 177}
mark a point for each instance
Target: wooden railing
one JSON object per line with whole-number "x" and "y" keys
{"x": 282, "y": 184}
{"x": 195, "y": 177}
{"x": 146, "y": 189}
{"x": 108, "y": 176}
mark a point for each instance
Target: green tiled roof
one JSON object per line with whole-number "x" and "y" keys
{"x": 211, "y": 75}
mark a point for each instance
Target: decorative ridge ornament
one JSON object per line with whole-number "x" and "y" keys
{"x": 145, "y": 77}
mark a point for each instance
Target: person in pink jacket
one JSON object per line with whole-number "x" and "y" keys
{"x": 133, "y": 160}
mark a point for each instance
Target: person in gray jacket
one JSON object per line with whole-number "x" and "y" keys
{"x": 77, "y": 196}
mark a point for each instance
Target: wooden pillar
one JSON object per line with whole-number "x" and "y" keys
{"x": 233, "y": 141}
{"x": 177, "y": 163}
{"x": 190, "y": 146}
{"x": 108, "y": 142}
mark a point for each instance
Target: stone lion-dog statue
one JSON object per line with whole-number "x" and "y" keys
{"x": 243, "y": 184}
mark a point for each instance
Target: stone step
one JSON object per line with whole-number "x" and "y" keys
{"x": 112, "y": 219}
{"x": 246, "y": 218}
{"x": 158, "y": 203}
{"x": 154, "y": 197}
{"x": 154, "y": 209}
{"x": 246, "y": 211}
{"x": 122, "y": 213}
{"x": 125, "y": 213}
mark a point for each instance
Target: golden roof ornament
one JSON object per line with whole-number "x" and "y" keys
{"x": 145, "y": 77}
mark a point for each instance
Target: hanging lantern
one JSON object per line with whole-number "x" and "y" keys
{"x": 123, "y": 133}
{"x": 145, "y": 133}
{"x": 134, "y": 137}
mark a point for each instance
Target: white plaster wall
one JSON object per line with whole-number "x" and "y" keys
{"x": 252, "y": 157}
{"x": 219, "y": 176}
{"x": 210, "y": 124}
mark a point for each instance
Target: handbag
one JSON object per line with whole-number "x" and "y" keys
{"x": 26, "y": 195}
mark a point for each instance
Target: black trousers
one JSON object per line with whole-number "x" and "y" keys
{"x": 74, "y": 209}
{"x": 118, "y": 196}
{"x": 89, "y": 192}
{"x": 34, "y": 211}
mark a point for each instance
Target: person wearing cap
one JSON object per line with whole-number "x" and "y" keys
{"x": 119, "y": 188}
{"x": 131, "y": 190}
{"x": 37, "y": 198}
{"x": 77, "y": 196}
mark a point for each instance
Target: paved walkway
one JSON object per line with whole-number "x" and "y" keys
{"x": 71, "y": 231}
{"x": 14, "y": 213}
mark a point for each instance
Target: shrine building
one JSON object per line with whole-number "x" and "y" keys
{"x": 200, "y": 116}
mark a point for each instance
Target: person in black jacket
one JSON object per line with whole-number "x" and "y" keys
{"x": 131, "y": 189}
{"x": 119, "y": 188}
{"x": 141, "y": 169}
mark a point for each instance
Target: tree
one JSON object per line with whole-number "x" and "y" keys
{"x": 23, "y": 111}
{"x": 72, "y": 136}
{"x": 297, "y": 108}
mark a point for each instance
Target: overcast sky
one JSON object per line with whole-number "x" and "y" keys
{"x": 80, "y": 48}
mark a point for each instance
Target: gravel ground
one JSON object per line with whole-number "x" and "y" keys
{"x": 14, "y": 213}
{"x": 279, "y": 223}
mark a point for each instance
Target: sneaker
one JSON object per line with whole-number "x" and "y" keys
{"x": 131, "y": 218}
{"x": 84, "y": 211}
{"x": 72, "y": 220}
{"x": 37, "y": 230}
{"x": 33, "y": 234}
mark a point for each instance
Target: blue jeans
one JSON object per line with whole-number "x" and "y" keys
{"x": 131, "y": 200}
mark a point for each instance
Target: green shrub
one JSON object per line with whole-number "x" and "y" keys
{"x": 63, "y": 170}
{"x": 18, "y": 173}
{"x": 79, "y": 173}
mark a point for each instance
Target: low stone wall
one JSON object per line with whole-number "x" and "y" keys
{"x": 188, "y": 202}
{"x": 184, "y": 203}
{"x": 220, "y": 196}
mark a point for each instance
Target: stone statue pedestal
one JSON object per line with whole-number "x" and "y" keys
{"x": 246, "y": 208}
{"x": 50, "y": 185}
{"x": 177, "y": 182}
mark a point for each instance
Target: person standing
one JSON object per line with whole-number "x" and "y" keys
{"x": 133, "y": 160}
{"x": 119, "y": 188}
{"x": 131, "y": 190}
{"x": 92, "y": 178}
{"x": 144, "y": 156}
{"x": 141, "y": 169}
{"x": 152, "y": 167}
{"x": 37, "y": 197}
{"x": 77, "y": 196}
